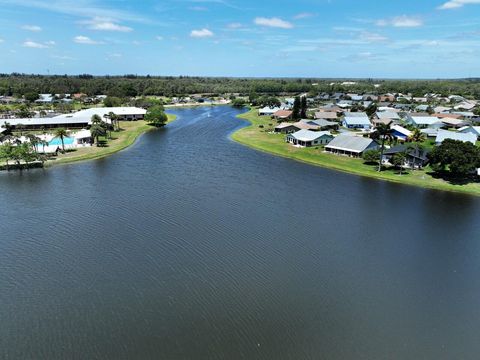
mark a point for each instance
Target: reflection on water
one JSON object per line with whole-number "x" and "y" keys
{"x": 190, "y": 246}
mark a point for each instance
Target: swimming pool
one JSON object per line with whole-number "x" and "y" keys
{"x": 58, "y": 142}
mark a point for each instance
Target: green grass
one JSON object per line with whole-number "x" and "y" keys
{"x": 131, "y": 130}
{"x": 255, "y": 137}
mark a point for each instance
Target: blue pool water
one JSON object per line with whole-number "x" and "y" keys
{"x": 58, "y": 141}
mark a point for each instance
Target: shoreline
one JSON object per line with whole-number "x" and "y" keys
{"x": 134, "y": 130}
{"x": 192, "y": 105}
{"x": 251, "y": 136}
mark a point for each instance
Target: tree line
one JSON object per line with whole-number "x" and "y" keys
{"x": 132, "y": 85}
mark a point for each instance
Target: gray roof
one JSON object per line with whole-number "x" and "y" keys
{"x": 325, "y": 115}
{"x": 388, "y": 115}
{"x": 322, "y": 122}
{"x": 465, "y": 137}
{"x": 350, "y": 143}
{"x": 356, "y": 120}
{"x": 307, "y": 135}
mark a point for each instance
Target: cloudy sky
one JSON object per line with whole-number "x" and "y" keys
{"x": 307, "y": 38}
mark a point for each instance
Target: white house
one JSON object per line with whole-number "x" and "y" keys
{"x": 357, "y": 120}
{"x": 468, "y": 129}
{"x": 464, "y": 137}
{"x": 307, "y": 138}
{"x": 79, "y": 119}
{"x": 425, "y": 121}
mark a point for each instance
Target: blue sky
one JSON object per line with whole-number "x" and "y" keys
{"x": 267, "y": 38}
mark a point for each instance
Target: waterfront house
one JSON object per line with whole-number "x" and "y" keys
{"x": 268, "y": 111}
{"x": 286, "y": 128}
{"x": 416, "y": 158}
{"x": 351, "y": 145}
{"x": 464, "y": 137}
{"x": 307, "y": 138}
{"x": 356, "y": 120}
{"x": 79, "y": 119}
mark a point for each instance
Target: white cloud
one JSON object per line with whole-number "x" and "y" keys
{"x": 33, "y": 28}
{"x": 401, "y": 21}
{"x": 80, "y": 39}
{"x": 1, "y": 40}
{"x": 372, "y": 37}
{"x": 455, "y": 4}
{"x": 303, "y": 15}
{"x": 37, "y": 45}
{"x": 203, "y": 33}
{"x": 159, "y": 38}
{"x": 273, "y": 22}
{"x": 234, "y": 26}
{"x": 105, "y": 24}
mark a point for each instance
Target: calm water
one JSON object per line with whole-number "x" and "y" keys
{"x": 190, "y": 246}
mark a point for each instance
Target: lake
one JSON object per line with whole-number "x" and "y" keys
{"x": 190, "y": 246}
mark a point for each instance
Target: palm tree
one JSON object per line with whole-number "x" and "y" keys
{"x": 417, "y": 136}
{"x": 96, "y": 131}
{"x": 382, "y": 132}
{"x": 8, "y": 128}
{"x": 34, "y": 141}
{"x": 61, "y": 133}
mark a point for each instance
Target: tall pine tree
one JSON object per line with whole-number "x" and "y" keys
{"x": 296, "y": 108}
{"x": 303, "y": 110}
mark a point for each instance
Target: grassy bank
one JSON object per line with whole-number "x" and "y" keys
{"x": 131, "y": 130}
{"x": 259, "y": 138}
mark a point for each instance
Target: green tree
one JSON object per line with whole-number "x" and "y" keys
{"x": 62, "y": 134}
{"x": 458, "y": 158}
{"x": 112, "y": 101}
{"x": 382, "y": 132}
{"x": 303, "y": 107}
{"x": 296, "y": 108}
{"x": 417, "y": 136}
{"x": 96, "y": 130}
{"x": 156, "y": 117}
{"x": 371, "y": 156}
{"x": 239, "y": 102}
{"x": 31, "y": 96}
{"x": 398, "y": 160}
{"x": 6, "y": 152}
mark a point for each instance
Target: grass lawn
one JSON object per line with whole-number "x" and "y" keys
{"x": 131, "y": 130}
{"x": 260, "y": 139}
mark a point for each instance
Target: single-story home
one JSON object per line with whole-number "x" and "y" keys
{"x": 425, "y": 121}
{"x": 283, "y": 115}
{"x": 400, "y": 132}
{"x": 358, "y": 120}
{"x": 267, "y": 111}
{"x": 350, "y": 145}
{"x": 467, "y": 129}
{"x": 416, "y": 158}
{"x": 454, "y": 123}
{"x": 323, "y": 124}
{"x": 79, "y": 119}
{"x": 430, "y": 132}
{"x": 464, "y": 137}
{"x": 327, "y": 115}
{"x": 286, "y": 128}
{"x": 307, "y": 138}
